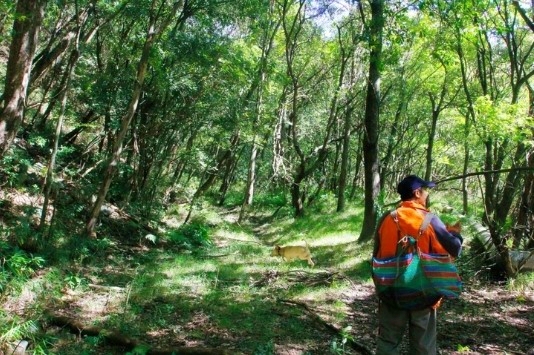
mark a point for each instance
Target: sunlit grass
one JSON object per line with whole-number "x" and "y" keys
{"x": 523, "y": 282}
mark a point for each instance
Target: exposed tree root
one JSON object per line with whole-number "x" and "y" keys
{"x": 118, "y": 339}
{"x": 351, "y": 342}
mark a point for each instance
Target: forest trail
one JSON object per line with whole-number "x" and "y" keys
{"x": 116, "y": 301}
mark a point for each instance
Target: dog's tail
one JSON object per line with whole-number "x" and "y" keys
{"x": 307, "y": 246}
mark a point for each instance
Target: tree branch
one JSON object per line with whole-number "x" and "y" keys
{"x": 524, "y": 15}
{"x": 476, "y": 173}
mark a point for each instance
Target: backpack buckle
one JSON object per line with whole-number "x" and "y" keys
{"x": 407, "y": 240}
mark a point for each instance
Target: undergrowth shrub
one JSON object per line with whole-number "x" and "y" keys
{"x": 15, "y": 168}
{"x": 17, "y": 264}
{"x": 270, "y": 200}
{"x": 190, "y": 236}
{"x": 21, "y": 264}
{"x": 265, "y": 349}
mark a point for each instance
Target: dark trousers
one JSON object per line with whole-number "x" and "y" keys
{"x": 392, "y": 324}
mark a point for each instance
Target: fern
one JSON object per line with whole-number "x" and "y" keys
{"x": 13, "y": 331}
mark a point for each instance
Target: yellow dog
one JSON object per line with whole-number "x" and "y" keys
{"x": 291, "y": 252}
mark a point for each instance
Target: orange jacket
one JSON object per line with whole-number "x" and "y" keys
{"x": 410, "y": 215}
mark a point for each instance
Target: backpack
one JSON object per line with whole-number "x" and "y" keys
{"x": 413, "y": 280}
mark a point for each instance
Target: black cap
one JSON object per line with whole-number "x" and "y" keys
{"x": 411, "y": 183}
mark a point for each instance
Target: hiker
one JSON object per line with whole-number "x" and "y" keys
{"x": 436, "y": 238}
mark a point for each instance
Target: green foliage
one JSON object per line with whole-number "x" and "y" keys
{"x": 93, "y": 340}
{"x": 205, "y": 84}
{"x": 17, "y": 263}
{"x": 338, "y": 345}
{"x": 15, "y": 168}
{"x": 37, "y": 140}
{"x": 139, "y": 350}
{"x": 22, "y": 264}
{"x": 500, "y": 120}
{"x": 190, "y": 236}
{"x": 271, "y": 199}
{"x": 75, "y": 281}
{"x": 463, "y": 348}
{"x": 15, "y": 329}
{"x": 323, "y": 203}
{"x": 523, "y": 282}
{"x": 265, "y": 349}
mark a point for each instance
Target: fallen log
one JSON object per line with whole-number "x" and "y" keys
{"x": 522, "y": 260}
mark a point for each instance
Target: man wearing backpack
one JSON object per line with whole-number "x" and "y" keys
{"x": 436, "y": 238}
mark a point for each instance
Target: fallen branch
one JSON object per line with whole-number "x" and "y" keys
{"x": 107, "y": 288}
{"x": 302, "y": 277}
{"x": 116, "y": 338}
{"x": 351, "y": 342}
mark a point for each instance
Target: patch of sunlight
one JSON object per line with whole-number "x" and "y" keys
{"x": 282, "y": 224}
{"x": 349, "y": 263}
{"x": 209, "y": 216}
{"x": 234, "y": 235}
{"x": 201, "y": 278}
{"x": 182, "y": 267}
{"x": 192, "y": 285}
{"x": 323, "y": 294}
{"x": 334, "y": 239}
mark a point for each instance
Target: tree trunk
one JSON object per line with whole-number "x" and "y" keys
{"x": 372, "y": 114}
{"x": 524, "y": 229}
{"x": 228, "y": 178}
{"x": 297, "y": 195}
{"x": 251, "y": 180}
{"x": 46, "y": 59}
{"x": 25, "y": 36}
{"x": 59, "y": 126}
{"x": 344, "y": 168}
{"x": 437, "y": 106}
{"x": 393, "y": 143}
{"x": 267, "y": 45}
{"x": 153, "y": 32}
{"x": 469, "y": 117}
{"x": 357, "y": 166}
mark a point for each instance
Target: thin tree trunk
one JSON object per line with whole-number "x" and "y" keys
{"x": 59, "y": 126}
{"x": 47, "y": 58}
{"x": 251, "y": 172}
{"x": 357, "y": 165}
{"x": 153, "y": 32}
{"x": 436, "y": 110}
{"x": 344, "y": 168}
{"x": 229, "y": 177}
{"x": 469, "y": 117}
{"x": 251, "y": 180}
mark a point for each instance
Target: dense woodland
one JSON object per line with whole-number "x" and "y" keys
{"x": 136, "y": 106}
